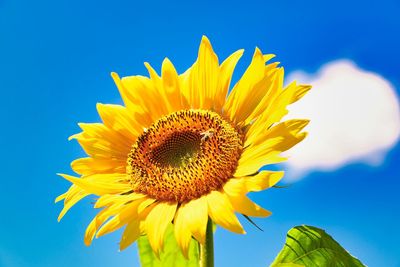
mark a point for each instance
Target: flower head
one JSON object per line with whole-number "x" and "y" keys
{"x": 183, "y": 150}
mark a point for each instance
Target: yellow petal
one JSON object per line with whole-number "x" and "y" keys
{"x": 262, "y": 180}
{"x": 199, "y": 217}
{"x": 277, "y": 106}
{"x": 171, "y": 88}
{"x": 286, "y": 129}
{"x": 153, "y": 74}
{"x": 99, "y": 219}
{"x": 246, "y": 95}
{"x": 201, "y": 82}
{"x": 97, "y": 184}
{"x": 71, "y": 197}
{"x": 144, "y": 209}
{"x": 90, "y": 232}
{"x": 60, "y": 197}
{"x": 244, "y": 205}
{"x": 268, "y": 57}
{"x": 141, "y": 98}
{"x": 106, "y": 200}
{"x": 88, "y": 166}
{"x": 302, "y": 89}
{"x": 252, "y": 166}
{"x": 119, "y": 119}
{"x": 194, "y": 215}
{"x": 236, "y": 191}
{"x": 128, "y": 213}
{"x": 130, "y": 234}
{"x": 157, "y": 222}
{"x": 98, "y": 141}
{"x": 221, "y": 212}
{"x": 265, "y": 148}
{"x": 182, "y": 233}
{"x": 68, "y": 204}
{"x": 267, "y": 90}
{"x": 225, "y": 76}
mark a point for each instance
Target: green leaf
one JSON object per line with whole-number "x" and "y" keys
{"x": 171, "y": 256}
{"x": 313, "y": 247}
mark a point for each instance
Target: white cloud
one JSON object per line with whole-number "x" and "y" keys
{"x": 355, "y": 117}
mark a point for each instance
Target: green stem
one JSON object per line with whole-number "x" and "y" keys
{"x": 207, "y": 250}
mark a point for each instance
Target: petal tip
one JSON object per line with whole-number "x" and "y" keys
{"x": 74, "y": 136}
{"x": 204, "y": 39}
{"x": 114, "y": 75}
{"x": 166, "y": 61}
{"x": 257, "y": 52}
{"x": 98, "y": 104}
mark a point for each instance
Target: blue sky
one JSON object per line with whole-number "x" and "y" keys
{"x": 55, "y": 64}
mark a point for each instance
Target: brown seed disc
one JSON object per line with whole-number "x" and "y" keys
{"x": 184, "y": 156}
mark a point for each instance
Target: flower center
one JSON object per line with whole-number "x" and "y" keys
{"x": 177, "y": 149}
{"x": 184, "y": 156}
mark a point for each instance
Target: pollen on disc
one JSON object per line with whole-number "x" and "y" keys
{"x": 184, "y": 156}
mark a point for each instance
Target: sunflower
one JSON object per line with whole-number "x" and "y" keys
{"x": 183, "y": 150}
